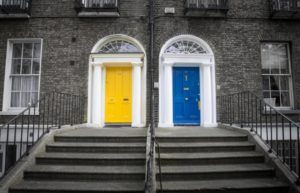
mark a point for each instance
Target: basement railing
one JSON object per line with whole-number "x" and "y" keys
{"x": 206, "y": 4}
{"x": 96, "y": 5}
{"x": 15, "y": 6}
{"x": 277, "y": 131}
{"x": 22, "y": 132}
{"x": 286, "y": 5}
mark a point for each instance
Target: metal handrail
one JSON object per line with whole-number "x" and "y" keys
{"x": 28, "y": 127}
{"x": 272, "y": 126}
{"x": 151, "y": 161}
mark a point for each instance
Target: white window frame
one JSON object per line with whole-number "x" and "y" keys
{"x": 290, "y": 75}
{"x": 6, "y": 108}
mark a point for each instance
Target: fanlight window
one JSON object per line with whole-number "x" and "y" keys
{"x": 119, "y": 46}
{"x": 185, "y": 47}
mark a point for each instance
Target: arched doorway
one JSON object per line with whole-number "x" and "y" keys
{"x": 187, "y": 91}
{"x": 117, "y": 82}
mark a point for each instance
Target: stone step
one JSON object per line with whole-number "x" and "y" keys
{"x": 85, "y": 173}
{"x": 192, "y": 139}
{"x": 96, "y": 147}
{"x": 208, "y": 172}
{"x": 206, "y": 147}
{"x": 99, "y": 139}
{"x": 210, "y": 158}
{"x": 77, "y": 187}
{"x": 108, "y": 159}
{"x": 256, "y": 185}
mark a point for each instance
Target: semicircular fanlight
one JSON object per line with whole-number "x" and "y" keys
{"x": 185, "y": 47}
{"x": 118, "y": 46}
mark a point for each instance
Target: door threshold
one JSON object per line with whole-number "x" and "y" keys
{"x": 113, "y": 125}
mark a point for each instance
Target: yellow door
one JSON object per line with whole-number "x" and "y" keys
{"x": 118, "y": 95}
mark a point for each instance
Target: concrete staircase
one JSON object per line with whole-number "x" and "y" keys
{"x": 215, "y": 161}
{"x": 88, "y": 161}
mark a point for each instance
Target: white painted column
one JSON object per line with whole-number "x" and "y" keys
{"x": 96, "y": 99}
{"x": 137, "y": 95}
{"x": 207, "y": 97}
{"x": 168, "y": 100}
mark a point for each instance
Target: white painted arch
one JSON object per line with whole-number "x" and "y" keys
{"x": 97, "y": 74}
{"x": 206, "y": 62}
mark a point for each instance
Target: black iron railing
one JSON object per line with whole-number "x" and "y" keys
{"x": 15, "y": 6}
{"x": 286, "y": 5}
{"x": 96, "y": 5}
{"x": 150, "y": 172}
{"x": 23, "y": 131}
{"x": 279, "y": 132}
{"x": 206, "y": 4}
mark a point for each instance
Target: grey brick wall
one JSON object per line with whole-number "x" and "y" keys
{"x": 235, "y": 40}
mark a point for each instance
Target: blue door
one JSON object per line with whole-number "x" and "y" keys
{"x": 186, "y": 96}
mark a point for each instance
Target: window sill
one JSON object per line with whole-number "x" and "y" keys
{"x": 98, "y": 14}
{"x": 14, "y": 112}
{"x": 14, "y": 16}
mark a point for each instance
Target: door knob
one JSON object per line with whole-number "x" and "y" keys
{"x": 125, "y": 99}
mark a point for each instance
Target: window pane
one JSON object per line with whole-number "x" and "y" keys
{"x": 26, "y": 66}
{"x": 26, "y": 83}
{"x": 265, "y": 59}
{"x": 37, "y": 50}
{"x": 274, "y": 80}
{"x": 285, "y": 99}
{"x": 16, "y": 66}
{"x": 36, "y": 66}
{"x": 266, "y": 83}
{"x": 15, "y": 99}
{"x": 34, "y": 97}
{"x": 284, "y": 83}
{"x": 35, "y": 83}
{"x": 17, "y": 50}
{"x": 27, "y": 50}
{"x": 16, "y": 84}
{"x": 266, "y": 94}
{"x": 25, "y": 99}
{"x": 275, "y": 96}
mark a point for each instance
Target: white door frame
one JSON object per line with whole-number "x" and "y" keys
{"x": 97, "y": 76}
{"x": 206, "y": 63}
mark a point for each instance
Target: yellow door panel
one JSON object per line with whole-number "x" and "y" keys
{"x": 118, "y": 99}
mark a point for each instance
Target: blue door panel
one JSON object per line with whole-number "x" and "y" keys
{"x": 186, "y": 94}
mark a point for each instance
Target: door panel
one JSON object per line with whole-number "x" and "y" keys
{"x": 186, "y": 95}
{"x": 118, "y": 104}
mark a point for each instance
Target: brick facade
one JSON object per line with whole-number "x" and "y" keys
{"x": 235, "y": 41}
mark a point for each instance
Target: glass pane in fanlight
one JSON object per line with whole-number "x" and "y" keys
{"x": 36, "y": 66}
{"x": 37, "y": 50}
{"x": 16, "y": 83}
{"x": 285, "y": 99}
{"x": 284, "y": 83}
{"x": 27, "y": 50}
{"x": 26, "y": 66}
{"x": 26, "y": 84}
{"x": 266, "y": 83}
{"x": 275, "y": 96}
{"x": 25, "y": 99}
{"x": 15, "y": 99}
{"x": 17, "y": 51}
{"x": 16, "y": 66}
{"x": 274, "y": 82}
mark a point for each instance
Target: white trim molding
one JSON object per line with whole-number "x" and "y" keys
{"x": 97, "y": 75}
{"x": 206, "y": 64}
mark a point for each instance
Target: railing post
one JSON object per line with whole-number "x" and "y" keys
{"x": 59, "y": 116}
{"x": 298, "y": 157}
